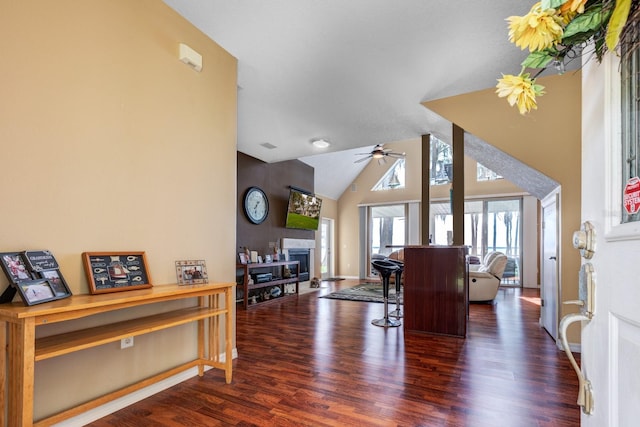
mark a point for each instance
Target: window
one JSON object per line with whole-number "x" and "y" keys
{"x": 489, "y": 225}
{"x": 441, "y": 162}
{"x": 387, "y": 228}
{"x": 630, "y": 100}
{"x": 486, "y": 174}
{"x": 394, "y": 178}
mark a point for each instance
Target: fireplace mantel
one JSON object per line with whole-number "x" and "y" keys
{"x": 289, "y": 243}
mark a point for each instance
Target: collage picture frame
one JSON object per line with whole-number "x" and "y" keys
{"x": 35, "y": 275}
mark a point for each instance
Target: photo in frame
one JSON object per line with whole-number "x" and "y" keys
{"x": 242, "y": 257}
{"x": 36, "y": 291}
{"x": 57, "y": 282}
{"x": 191, "y": 272}
{"x": 116, "y": 271}
{"x": 14, "y": 267}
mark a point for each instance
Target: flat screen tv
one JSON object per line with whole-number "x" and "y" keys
{"x": 303, "y": 211}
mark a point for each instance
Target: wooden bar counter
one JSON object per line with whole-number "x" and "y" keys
{"x": 435, "y": 290}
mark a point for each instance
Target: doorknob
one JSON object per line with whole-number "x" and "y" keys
{"x": 585, "y": 240}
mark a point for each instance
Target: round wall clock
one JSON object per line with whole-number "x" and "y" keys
{"x": 256, "y": 205}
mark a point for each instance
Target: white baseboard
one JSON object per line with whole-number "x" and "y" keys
{"x": 131, "y": 398}
{"x": 574, "y": 347}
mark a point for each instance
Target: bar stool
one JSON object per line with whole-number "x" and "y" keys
{"x": 397, "y": 313}
{"x": 385, "y": 268}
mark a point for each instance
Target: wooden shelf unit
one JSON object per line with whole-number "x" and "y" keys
{"x": 18, "y": 331}
{"x": 280, "y": 281}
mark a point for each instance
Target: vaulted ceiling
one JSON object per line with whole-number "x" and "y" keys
{"x": 352, "y": 71}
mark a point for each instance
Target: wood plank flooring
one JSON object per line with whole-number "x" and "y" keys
{"x": 311, "y": 361}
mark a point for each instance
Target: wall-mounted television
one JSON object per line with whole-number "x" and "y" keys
{"x": 303, "y": 211}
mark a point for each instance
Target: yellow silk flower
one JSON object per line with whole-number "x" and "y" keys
{"x": 537, "y": 30}
{"x": 519, "y": 90}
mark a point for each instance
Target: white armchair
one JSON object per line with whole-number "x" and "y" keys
{"x": 484, "y": 283}
{"x": 485, "y": 261}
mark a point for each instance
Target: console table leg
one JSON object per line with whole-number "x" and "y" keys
{"x": 229, "y": 294}
{"x": 3, "y": 373}
{"x": 21, "y": 349}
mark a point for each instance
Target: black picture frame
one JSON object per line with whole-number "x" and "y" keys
{"x": 32, "y": 269}
{"x": 36, "y": 291}
{"x": 116, "y": 271}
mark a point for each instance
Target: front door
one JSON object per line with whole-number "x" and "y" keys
{"x": 611, "y": 340}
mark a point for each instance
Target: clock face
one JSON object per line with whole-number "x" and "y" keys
{"x": 256, "y": 205}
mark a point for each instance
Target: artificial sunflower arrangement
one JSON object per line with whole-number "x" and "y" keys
{"x": 556, "y": 31}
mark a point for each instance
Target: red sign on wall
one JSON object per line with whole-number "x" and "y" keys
{"x": 631, "y": 196}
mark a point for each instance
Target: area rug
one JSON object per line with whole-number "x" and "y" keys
{"x": 333, "y": 279}
{"x": 367, "y": 292}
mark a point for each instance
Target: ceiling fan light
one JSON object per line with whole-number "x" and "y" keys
{"x": 320, "y": 143}
{"x": 378, "y": 155}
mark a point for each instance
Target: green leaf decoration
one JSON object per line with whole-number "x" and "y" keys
{"x": 588, "y": 22}
{"x": 552, "y": 4}
{"x": 538, "y": 59}
{"x": 617, "y": 22}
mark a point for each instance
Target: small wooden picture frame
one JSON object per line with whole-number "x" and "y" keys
{"x": 36, "y": 291}
{"x": 116, "y": 271}
{"x": 190, "y": 272}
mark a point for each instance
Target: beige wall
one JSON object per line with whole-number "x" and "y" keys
{"x": 348, "y": 235}
{"x": 109, "y": 142}
{"x": 547, "y": 139}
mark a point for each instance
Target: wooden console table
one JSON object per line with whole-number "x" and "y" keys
{"x": 18, "y": 325}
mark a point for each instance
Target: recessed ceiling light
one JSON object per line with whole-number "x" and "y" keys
{"x": 320, "y": 143}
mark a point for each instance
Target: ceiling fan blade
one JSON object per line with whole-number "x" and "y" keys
{"x": 382, "y": 161}
{"x": 362, "y": 159}
{"x": 396, "y": 155}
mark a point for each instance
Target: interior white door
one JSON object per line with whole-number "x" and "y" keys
{"x": 549, "y": 255}
{"x": 611, "y": 339}
{"x": 326, "y": 248}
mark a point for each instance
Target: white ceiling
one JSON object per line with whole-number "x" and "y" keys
{"x": 352, "y": 71}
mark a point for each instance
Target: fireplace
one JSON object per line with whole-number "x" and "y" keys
{"x": 301, "y": 255}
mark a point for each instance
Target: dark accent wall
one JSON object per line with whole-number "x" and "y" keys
{"x": 274, "y": 179}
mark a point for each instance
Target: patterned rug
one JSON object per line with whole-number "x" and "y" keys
{"x": 367, "y": 292}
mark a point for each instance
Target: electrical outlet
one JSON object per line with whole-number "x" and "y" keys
{"x": 126, "y": 342}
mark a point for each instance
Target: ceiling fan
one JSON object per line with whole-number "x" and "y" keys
{"x": 380, "y": 153}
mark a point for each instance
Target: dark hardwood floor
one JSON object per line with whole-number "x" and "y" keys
{"x": 311, "y": 361}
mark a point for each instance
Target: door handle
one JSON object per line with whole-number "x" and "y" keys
{"x": 586, "y": 291}
{"x": 552, "y": 258}
{"x": 585, "y": 393}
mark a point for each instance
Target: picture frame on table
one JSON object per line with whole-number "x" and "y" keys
{"x": 116, "y": 271}
{"x": 36, "y": 291}
{"x": 242, "y": 258}
{"x": 191, "y": 272}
